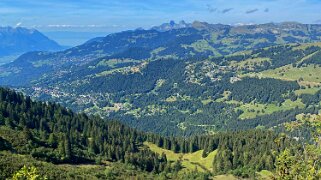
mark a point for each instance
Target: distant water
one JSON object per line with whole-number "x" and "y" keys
{"x": 69, "y": 38}
{"x": 7, "y": 59}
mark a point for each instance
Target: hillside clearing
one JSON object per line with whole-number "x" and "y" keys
{"x": 306, "y": 76}
{"x": 191, "y": 161}
{"x": 251, "y": 110}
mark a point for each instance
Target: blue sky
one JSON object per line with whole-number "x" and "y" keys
{"x": 111, "y": 16}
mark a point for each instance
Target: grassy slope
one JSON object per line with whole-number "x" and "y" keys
{"x": 309, "y": 77}
{"x": 263, "y": 109}
{"x": 251, "y": 110}
{"x": 311, "y": 90}
{"x": 194, "y": 160}
{"x": 190, "y": 160}
{"x": 306, "y": 45}
{"x": 249, "y": 63}
{"x": 309, "y": 74}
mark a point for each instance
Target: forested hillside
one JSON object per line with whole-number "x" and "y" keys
{"x": 263, "y": 88}
{"x": 52, "y": 133}
{"x": 48, "y": 137}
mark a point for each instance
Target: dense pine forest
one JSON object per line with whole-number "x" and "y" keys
{"x": 52, "y": 133}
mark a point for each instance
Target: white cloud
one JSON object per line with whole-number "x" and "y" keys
{"x": 18, "y": 24}
{"x": 74, "y": 26}
{"x": 78, "y": 26}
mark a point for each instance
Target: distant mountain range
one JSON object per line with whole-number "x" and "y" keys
{"x": 181, "y": 41}
{"x": 16, "y": 41}
{"x": 171, "y": 25}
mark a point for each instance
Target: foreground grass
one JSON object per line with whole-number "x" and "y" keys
{"x": 265, "y": 175}
{"x": 10, "y": 163}
{"x": 225, "y": 177}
